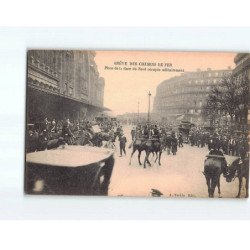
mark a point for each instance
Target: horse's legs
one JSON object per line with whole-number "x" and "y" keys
{"x": 146, "y": 156}
{"x": 160, "y": 157}
{"x": 247, "y": 185}
{"x": 214, "y": 183}
{"x": 156, "y": 158}
{"x": 133, "y": 151}
{"x": 240, "y": 184}
{"x": 139, "y": 157}
{"x": 208, "y": 185}
{"x": 218, "y": 185}
{"x": 146, "y": 159}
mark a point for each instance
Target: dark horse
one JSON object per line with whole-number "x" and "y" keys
{"x": 153, "y": 146}
{"x": 138, "y": 145}
{"x": 240, "y": 169}
{"x": 214, "y": 166}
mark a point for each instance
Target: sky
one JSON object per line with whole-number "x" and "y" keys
{"x": 124, "y": 89}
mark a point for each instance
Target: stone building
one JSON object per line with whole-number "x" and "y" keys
{"x": 182, "y": 97}
{"x": 63, "y": 84}
{"x": 241, "y": 71}
{"x": 242, "y": 65}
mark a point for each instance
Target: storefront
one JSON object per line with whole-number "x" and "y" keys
{"x": 43, "y": 103}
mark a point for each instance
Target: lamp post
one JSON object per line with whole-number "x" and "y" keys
{"x": 138, "y": 110}
{"x": 149, "y": 94}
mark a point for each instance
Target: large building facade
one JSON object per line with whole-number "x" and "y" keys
{"x": 182, "y": 97}
{"x": 240, "y": 72}
{"x": 63, "y": 84}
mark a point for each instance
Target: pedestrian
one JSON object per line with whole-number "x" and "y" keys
{"x": 133, "y": 132}
{"x": 174, "y": 144}
{"x": 123, "y": 141}
{"x": 180, "y": 140}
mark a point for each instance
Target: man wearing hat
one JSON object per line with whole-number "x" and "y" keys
{"x": 122, "y": 140}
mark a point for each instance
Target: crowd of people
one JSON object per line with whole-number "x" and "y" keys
{"x": 230, "y": 142}
{"x": 95, "y": 132}
{"x": 84, "y": 132}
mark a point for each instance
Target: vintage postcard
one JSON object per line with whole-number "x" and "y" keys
{"x": 137, "y": 123}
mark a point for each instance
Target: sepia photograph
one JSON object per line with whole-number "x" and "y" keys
{"x": 137, "y": 123}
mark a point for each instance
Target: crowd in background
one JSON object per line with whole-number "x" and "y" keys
{"x": 82, "y": 132}
{"x": 94, "y": 132}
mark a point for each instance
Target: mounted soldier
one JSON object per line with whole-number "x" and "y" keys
{"x": 156, "y": 132}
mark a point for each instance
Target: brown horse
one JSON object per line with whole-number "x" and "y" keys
{"x": 239, "y": 169}
{"x": 138, "y": 145}
{"x": 214, "y": 166}
{"x": 153, "y": 146}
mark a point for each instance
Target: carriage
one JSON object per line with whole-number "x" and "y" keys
{"x": 77, "y": 170}
{"x": 184, "y": 128}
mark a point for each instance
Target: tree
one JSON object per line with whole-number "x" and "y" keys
{"x": 229, "y": 97}
{"x": 212, "y": 106}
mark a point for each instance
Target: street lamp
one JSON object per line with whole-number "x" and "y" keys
{"x": 138, "y": 110}
{"x": 149, "y": 94}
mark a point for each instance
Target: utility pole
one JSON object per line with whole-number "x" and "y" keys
{"x": 149, "y": 94}
{"x": 138, "y": 110}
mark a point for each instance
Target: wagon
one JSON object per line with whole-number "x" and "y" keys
{"x": 77, "y": 170}
{"x": 184, "y": 128}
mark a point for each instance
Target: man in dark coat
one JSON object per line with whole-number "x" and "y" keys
{"x": 133, "y": 133}
{"x": 180, "y": 140}
{"x": 122, "y": 140}
{"x": 156, "y": 132}
{"x": 174, "y": 144}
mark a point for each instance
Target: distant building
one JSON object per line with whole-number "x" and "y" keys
{"x": 134, "y": 118}
{"x": 63, "y": 84}
{"x": 182, "y": 97}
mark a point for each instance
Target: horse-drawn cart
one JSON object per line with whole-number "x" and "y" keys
{"x": 80, "y": 170}
{"x": 184, "y": 128}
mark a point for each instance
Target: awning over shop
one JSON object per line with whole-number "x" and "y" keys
{"x": 58, "y": 94}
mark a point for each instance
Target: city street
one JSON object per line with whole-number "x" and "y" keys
{"x": 178, "y": 176}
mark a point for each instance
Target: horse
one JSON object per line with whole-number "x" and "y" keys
{"x": 153, "y": 146}
{"x": 239, "y": 169}
{"x": 214, "y": 166}
{"x": 138, "y": 145}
